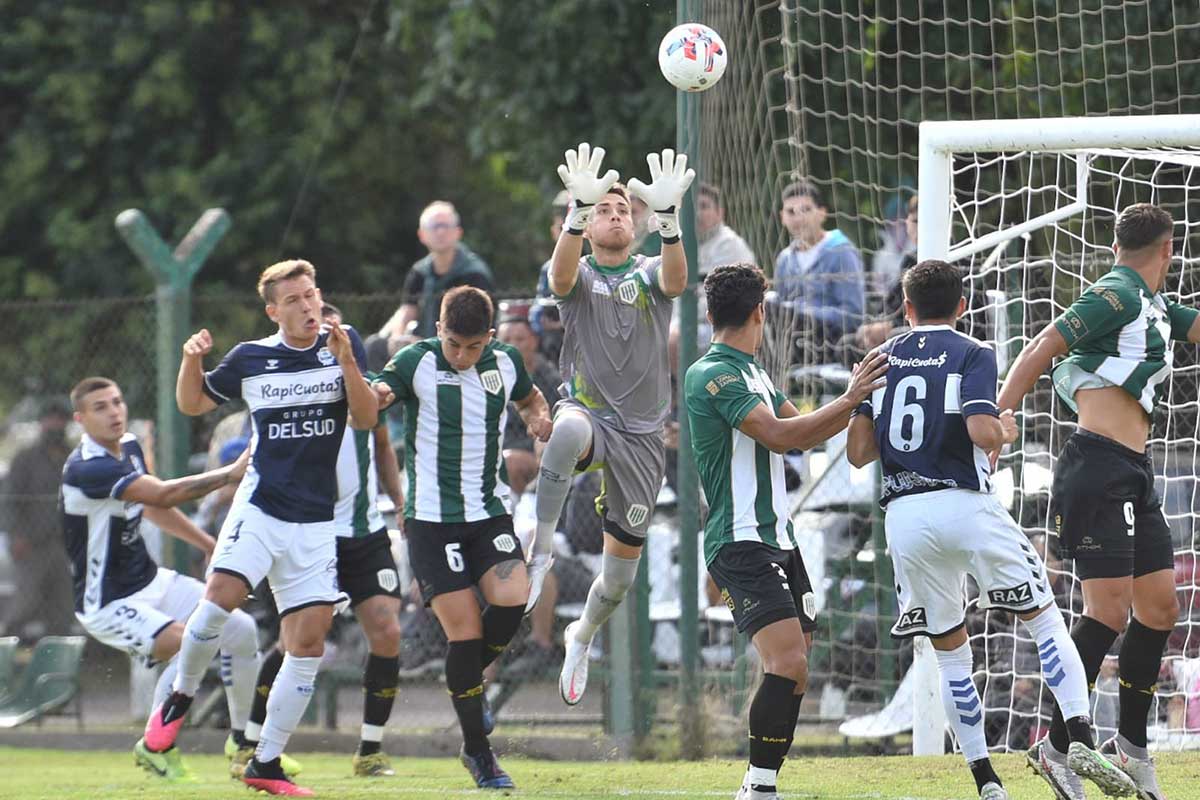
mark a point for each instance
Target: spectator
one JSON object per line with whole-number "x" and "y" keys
{"x": 718, "y": 243}
{"x": 42, "y": 602}
{"x": 450, "y": 263}
{"x": 896, "y": 241}
{"x": 819, "y": 276}
{"x": 519, "y": 457}
{"x": 872, "y": 334}
{"x": 543, "y": 318}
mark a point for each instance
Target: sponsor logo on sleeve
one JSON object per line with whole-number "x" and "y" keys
{"x": 1076, "y": 327}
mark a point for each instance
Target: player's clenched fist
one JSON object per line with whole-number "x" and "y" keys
{"x": 198, "y": 344}
{"x": 540, "y": 428}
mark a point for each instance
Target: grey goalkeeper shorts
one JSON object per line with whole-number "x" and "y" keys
{"x": 633, "y": 466}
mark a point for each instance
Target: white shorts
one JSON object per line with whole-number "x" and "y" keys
{"x": 938, "y": 538}
{"x": 298, "y": 559}
{"x": 132, "y": 622}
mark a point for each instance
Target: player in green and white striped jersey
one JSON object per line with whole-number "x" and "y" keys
{"x": 458, "y": 521}
{"x": 1117, "y": 341}
{"x": 740, "y": 424}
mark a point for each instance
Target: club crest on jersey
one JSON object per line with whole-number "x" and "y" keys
{"x": 913, "y": 618}
{"x": 505, "y": 543}
{"x": 637, "y": 514}
{"x": 325, "y": 357}
{"x": 627, "y": 291}
{"x": 1016, "y": 596}
{"x": 492, "y": 381}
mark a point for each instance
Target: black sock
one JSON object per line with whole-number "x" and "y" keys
{"x": 380, "y": 679}
{"x": 464, "y": 681}
{"x": 262, "y": 685}
{"x": 770, "y": 717}
{"x": 239, "y": 737}
{"x": 983, "y": 773}
{"x": 1140, "y": 660}
{"x": 796, "y": 700}
{"x": 500, "y": 624}
{"x": 1092, "y": 639}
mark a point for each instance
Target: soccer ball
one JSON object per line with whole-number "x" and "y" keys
{"x": 692, "y": 57}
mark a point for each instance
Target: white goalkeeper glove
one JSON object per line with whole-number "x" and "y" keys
{"x": 581, "y": 176}
{"x": 669, "y": 179}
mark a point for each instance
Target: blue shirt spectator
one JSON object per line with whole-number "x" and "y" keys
{"x": 820, "y": 274}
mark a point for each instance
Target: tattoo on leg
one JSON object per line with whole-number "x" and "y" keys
{"x": 504, "y": 569}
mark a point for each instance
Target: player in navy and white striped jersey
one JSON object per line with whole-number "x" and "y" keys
{"x": 122, "y": 598}
{"x": 931, "y": 428}
{"x": 299, "y": 385}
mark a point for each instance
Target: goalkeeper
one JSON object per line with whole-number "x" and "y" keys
{"x": 616, "y": 313}
{"x": 1116, "y": 339}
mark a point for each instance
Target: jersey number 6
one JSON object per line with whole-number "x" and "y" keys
{"x": 902, "y": 410}
{"x": 454, "y": 557}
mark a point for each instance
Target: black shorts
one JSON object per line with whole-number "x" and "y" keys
{"x": 365, "y": 566}
{"x": 763, "y": 584}
{"x": 1108, "y": 515}
{"x": 449, "y": 556}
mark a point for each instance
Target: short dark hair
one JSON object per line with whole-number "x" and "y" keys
{"x": 934, "y": 288}
{"x": 804, "y": 188}
{"x": 329, "y": 309}
{"x": 1141, "y": 225}
{"x": 466, "y": 311}
{"x": 712, "y": 193}
{"x": 86, "y": 387}
{"x": 733, "y": 291}
{"x": 515, "y": 319}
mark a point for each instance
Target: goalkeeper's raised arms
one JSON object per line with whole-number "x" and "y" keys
{"x": 669, "y": 180}
{"x": 581, "y": 177}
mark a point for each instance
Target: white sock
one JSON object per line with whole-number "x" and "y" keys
{"x": 1062, "y": 669}
{"x": 289, "y": 698}
{"x": 961, "y": 700}
{"x": 608, "y": 590}
{"x": 201, "y": 640}
{"x": 239, "y": 666}
{"x": 162, "y": 689}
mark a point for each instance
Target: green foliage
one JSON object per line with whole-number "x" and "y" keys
{"x": 175, "y": 107}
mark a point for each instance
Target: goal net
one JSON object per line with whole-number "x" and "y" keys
{"x": 1032, "y": 226}
{"x": 835, "y": 93}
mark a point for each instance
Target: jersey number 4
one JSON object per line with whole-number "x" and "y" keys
{"x": 903, "y": 410}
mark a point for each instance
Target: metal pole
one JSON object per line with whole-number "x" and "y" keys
{"x": 173, "y": 273}
{"x": 687, "y": 140}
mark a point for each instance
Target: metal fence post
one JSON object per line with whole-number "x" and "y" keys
{"x": 173, "y": 273}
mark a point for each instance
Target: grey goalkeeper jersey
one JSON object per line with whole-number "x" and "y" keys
{"x": 614, "y": 355}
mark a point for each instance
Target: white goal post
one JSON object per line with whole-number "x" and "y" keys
{"x": 945, "y": 232}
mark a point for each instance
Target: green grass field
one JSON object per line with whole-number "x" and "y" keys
{"x": 28, "y": 774}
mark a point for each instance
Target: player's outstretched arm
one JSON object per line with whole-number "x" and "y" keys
{"x": 362, "y": 399}
{"x": 175, "y": 523}
{"x": 151, "y": 491}
{"x": 581, "y": 177}
{"x": 669, "y": 180}
{"x": 796, "y": 431}
{"x": 861, "y": 447}
{"x": 1034, "y": 360}
{"x": 189, "y": 385}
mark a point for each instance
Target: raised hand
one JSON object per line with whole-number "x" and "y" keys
{"x": 339, "y": 343}
{"x": 198, "y": 345}
{"x": 866, "y": 376}
{"x": 669, "y": 179}
{"x": 581, "y": 175}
